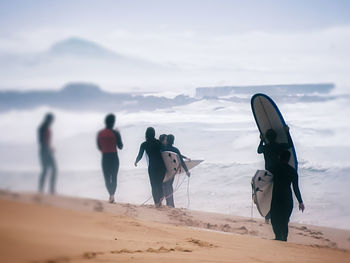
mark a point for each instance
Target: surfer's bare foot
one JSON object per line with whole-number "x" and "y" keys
{"x": 111, "y": 199}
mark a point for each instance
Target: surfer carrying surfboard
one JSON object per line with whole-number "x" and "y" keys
{"x": 271, "y": 150}
{"x": 282, "y": 201}
{"x": 168, "y": 185}
{"x": 156, "y": 167}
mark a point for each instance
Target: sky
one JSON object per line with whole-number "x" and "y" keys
{"x": 296, "y": 41}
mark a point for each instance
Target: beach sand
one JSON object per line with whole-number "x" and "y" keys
{"x": 54, "y": 229}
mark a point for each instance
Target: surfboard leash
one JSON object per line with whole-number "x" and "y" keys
{"x": 188, "y": 193}
{"x": 177, "y": 187}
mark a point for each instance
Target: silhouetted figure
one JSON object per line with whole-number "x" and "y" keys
{"x": 156, "y": 167}
{"x": 108, "y": 140}
{"x": 168, "y": 185}
{"x": 271, "y": 150}
{"x": 46, "y": 153}
{"x": 282, "y": 201}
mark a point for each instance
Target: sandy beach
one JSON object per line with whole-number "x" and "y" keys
{"x": 41, "y": 228}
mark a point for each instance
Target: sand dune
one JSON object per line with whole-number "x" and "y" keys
{"x": 37, "y": 228}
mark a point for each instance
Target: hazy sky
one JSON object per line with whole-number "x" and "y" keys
{"x": 218, "y": 16}
{"x": 306, "y": 40}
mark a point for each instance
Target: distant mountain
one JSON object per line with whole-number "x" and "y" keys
{"x": 85, "y": 96}
{"x": 78, "y": 47}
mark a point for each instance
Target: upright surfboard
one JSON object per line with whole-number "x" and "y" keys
{"x": 268, "y": 116}
{"x": 173, "y": 164}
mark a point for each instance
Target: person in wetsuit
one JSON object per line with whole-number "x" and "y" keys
{"x": 168, "y": 185}
{"x": 156, "y": 167}
{"x": 108, "y": 140}
{"x": 271, "y": 150}
{"x": 282, "y": 200}
{"x": 46, "y": 153}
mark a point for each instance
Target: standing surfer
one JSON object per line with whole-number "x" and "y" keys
{"x": 156, "y": 167}
{"x": 46, "y": 153}
{"x": 168, "y": 185}
{"x": 282, "y": 201}
{"x": 108, "y": 140}
{"x": 271, "y": 150}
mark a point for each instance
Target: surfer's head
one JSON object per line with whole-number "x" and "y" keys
{"x": 150, "y": 133}
{"x": 271, "y": 135}
{"x": 110, "y": 120}
{"x": 163, "y": 139}
{"x": 48, "y": 118}
{"x": 170, "y": 139}
{"x": 285, "y": 156}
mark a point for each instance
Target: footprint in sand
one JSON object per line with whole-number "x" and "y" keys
{"x": 225, "y": 228}
{"x": 98, "y": 207}
{"x": 211, "y": 226}
{"x": 37, "y": 199}
{"x": 151, "y": 250}
{"x": 242, "y": 230}
{"x": 200, "y": 243}
{"x": 90, "y": 255}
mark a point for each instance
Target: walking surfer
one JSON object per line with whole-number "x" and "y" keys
{"x": 46, "y": 153}
{"x": 156, "y": 167}
{"x": 282, "y": 201}
{"x": 108, "y": 140}
{"x": 168, "y": 185}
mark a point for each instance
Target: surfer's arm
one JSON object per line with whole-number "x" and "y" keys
{"x": 119, "y": 139}
{"x": 261, "y": 147}
{"x": 289, "y": 138}
{"x": 139, "y": 156}
{"x": 184, "y": 157}
{"x": 296, "y": 189}
{"x": 183, "y": 163}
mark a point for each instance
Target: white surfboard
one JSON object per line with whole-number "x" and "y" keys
{"x": 262, "y": 186}
{"x": 173, "y": 165}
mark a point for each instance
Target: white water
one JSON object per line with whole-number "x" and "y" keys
{"x": 222, "y": 133}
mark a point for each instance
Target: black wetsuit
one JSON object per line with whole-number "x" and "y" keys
{"x": 46, "y": 157}
{"x": 282, "y": 200}
{"x": 271, "y": 152}
{"x": 108, "y": 140}
{"x": 168, "y": 185}
{"x": 156, "y": 167}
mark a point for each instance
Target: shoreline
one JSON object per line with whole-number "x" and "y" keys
{"x": 146, "y": 232}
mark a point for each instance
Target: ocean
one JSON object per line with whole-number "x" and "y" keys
{"x": 221, "y": 132}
